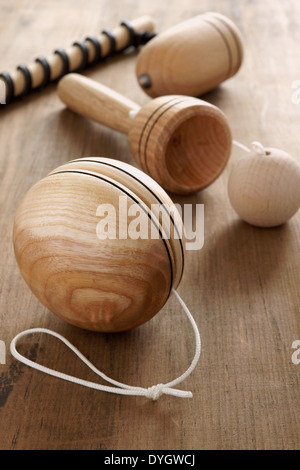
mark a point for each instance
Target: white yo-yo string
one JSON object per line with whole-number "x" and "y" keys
{"x": 153, "y": 392}
{"x": 258, "y": 147}
{"x": 255, "y": 145}
{"x": 241, "y": 146}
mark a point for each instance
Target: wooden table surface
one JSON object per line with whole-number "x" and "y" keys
{"x": 242, "y": 286}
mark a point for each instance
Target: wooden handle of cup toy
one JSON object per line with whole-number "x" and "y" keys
{"x": 181, "y": 141}
{"x": 96, "y": 101}
{"x": 78, "y": 56}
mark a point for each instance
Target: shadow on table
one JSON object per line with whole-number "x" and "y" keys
{"x": 243, "y": 257}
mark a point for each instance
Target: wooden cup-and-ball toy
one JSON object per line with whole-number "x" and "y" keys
{"x": 101, "y": 284}
{"x": 182, "y": 142}
{"x": 190, "y": 58}
{"x": 264, "y": 187}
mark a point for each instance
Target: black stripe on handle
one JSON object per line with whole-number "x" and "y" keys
{"x": 84, "y": 53}
{"x": 128, "y": 25}
{"x": 97, "y": 47}
{"x": 112, "y": 42}
{"x": 65, "y": 62}
{"x": 10, "y": 87}
{"x": 28, "y": 81}
{"x": 135, "y": 39}
{"x": 46, "y": 69}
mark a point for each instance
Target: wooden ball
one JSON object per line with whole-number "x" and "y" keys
{"x": 97, "y": 284}
{"x": 264, "y": 189}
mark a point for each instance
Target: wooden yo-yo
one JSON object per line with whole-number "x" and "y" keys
{"x": 181, "y": 142}
{"x": 80, "y": 249}
{"x": 191, "y": 58}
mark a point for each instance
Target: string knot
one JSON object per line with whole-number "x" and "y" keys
{"x": 155, "y": 391}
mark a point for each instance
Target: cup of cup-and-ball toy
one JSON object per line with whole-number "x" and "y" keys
{"x": 182, "y": 142}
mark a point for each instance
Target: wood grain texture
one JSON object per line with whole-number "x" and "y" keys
{"x": 242, "y": 286}
{"x": 182, "y": 142}
{"x": 95, "y": 101}
{"x": 192, "y": 57}
{"x": 73, "y": 270}
{"x": 155, "y": 199}
{"x": 264, "y": 188}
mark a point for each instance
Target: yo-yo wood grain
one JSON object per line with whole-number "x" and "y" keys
{"x": 242, "y": 286}
{"x": 151, "y": 194}
{"x": 75, "y": 272}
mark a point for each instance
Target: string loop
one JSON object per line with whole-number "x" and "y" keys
{"x": 152, "y": 393}
{"x": 258, "y": 147}
{"x": 255, "y": 145}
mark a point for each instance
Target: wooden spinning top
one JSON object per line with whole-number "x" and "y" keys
{"x": 181, "y": 142}
{"x": 191, "y": 58}
{"x": 102, "y": 284}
